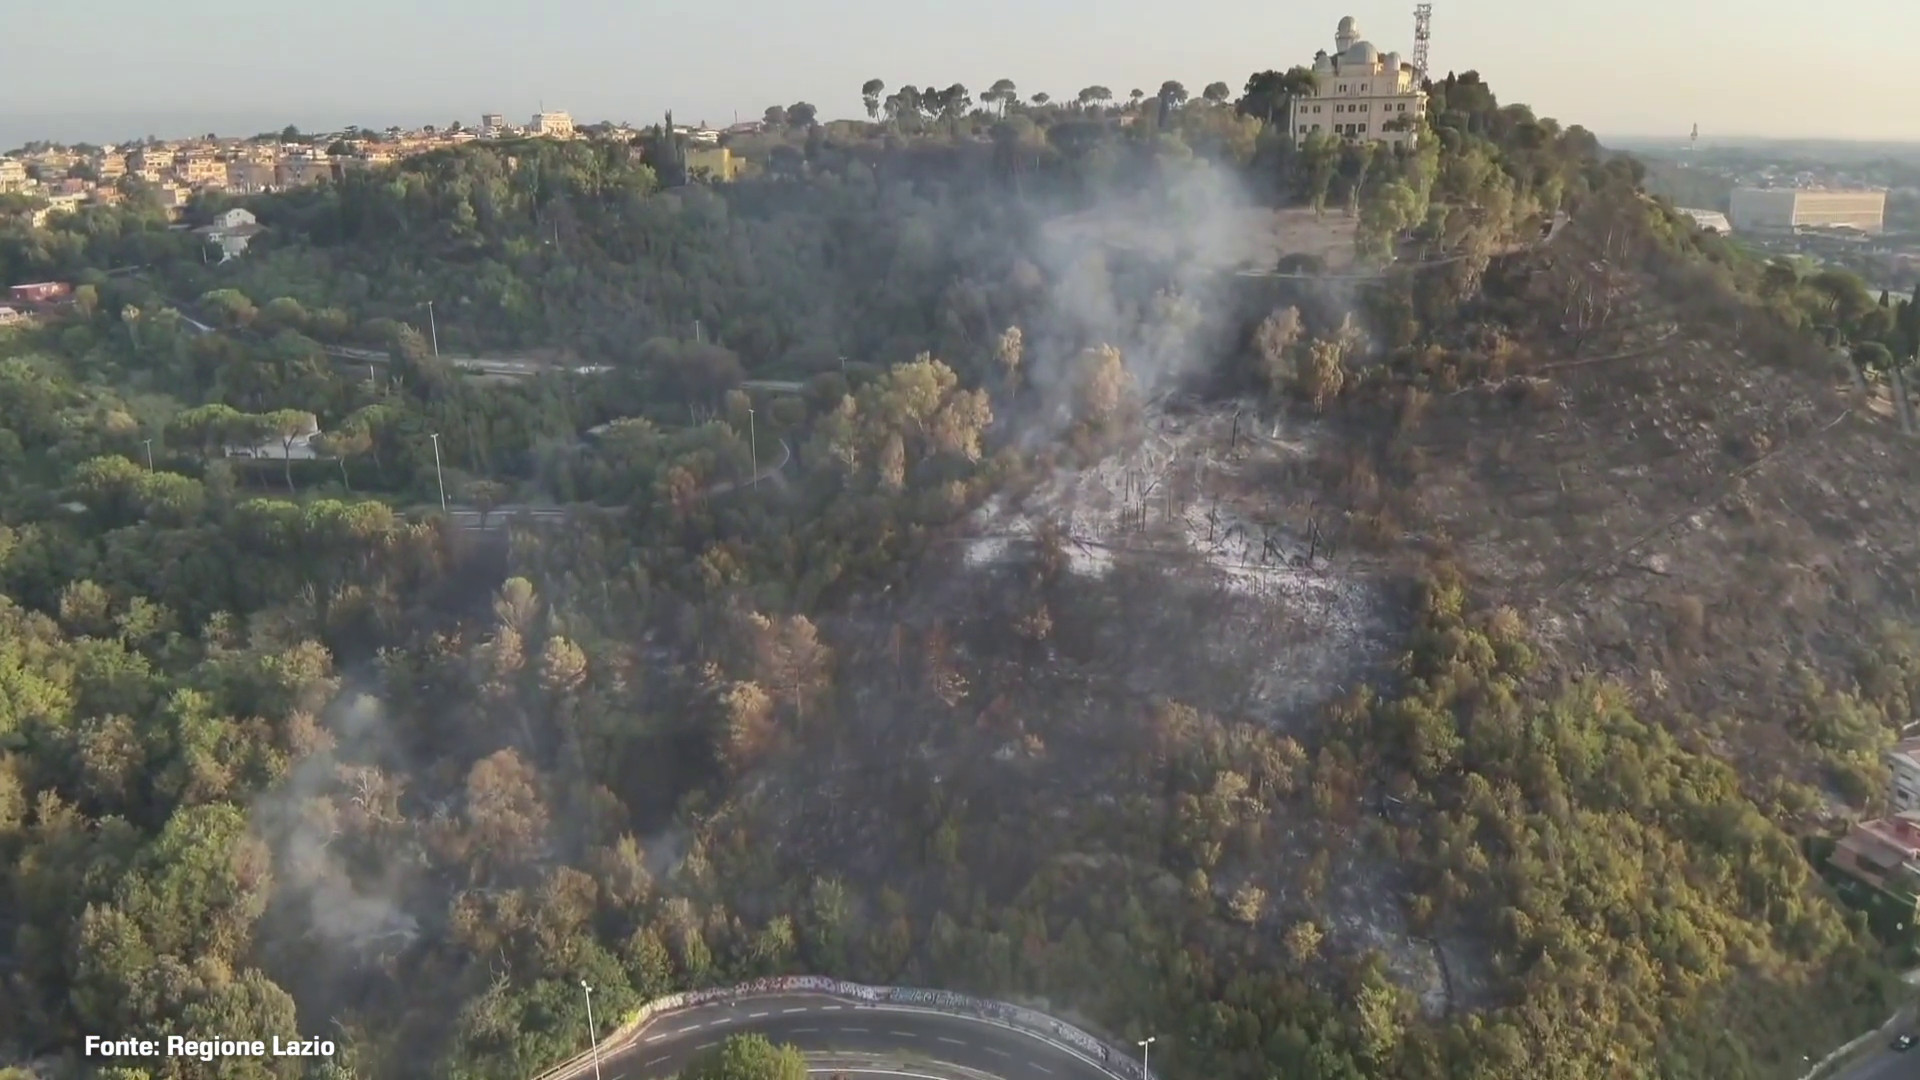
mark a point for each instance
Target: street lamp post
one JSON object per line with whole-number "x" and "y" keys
{"x": 149, "y": 445}
{"x": 1145, "y": 1045}
{"x": 753, "y": 446}
{"x": 437, "y": 474}
{"x": 433, "y": 328}
{"x": 592, "y": 1035}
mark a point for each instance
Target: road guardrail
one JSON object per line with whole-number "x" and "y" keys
{"x": 1117, "y": 1063}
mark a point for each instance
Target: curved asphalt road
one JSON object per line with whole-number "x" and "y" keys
{"x": 1882, "y": 1063}
{"x": 817, "y": 1024}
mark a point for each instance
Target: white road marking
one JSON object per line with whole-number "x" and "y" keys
{"x": 829, "y": 1008}
{"x": 902, "y": 1034}
{"x": 758, "y": 1015}
{"x": 1041, "y": 1067}
{"x": 656, "y": 1061}
{"x": 955, "y": 1042}
{"x": 996, "y": 1050}
{"x": 862, "y": 1031}
{"x": 656, "y": 1038}
{"x": 706, "y": 1046}
{"x": 689, "y": 1027}
{"x": 784, "y": 1011}
{"x": 803, "y": 1031}
{"x": 870, "y": 1073}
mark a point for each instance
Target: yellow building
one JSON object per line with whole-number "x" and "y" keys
{"x": 1360, "y": 93}
{"x": 151, "y": 163}
{"x": 200, "y": 168}
{"x": 1780, "y": 209}
{"x": 713, "y": 163}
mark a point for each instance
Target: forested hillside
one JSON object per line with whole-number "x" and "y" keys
{"x": 285, "y": 749}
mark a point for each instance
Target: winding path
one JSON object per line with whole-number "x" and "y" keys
{"x": 820, "y": 1024}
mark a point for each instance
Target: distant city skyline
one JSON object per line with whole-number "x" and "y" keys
{"x": 115, "y": 69}
{"x": 99, "y": 129}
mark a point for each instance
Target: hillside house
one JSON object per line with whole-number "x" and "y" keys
{"x": 714, "y": 164}
{"x": 232, "y": 230}
{"x": 40, "y": 292}
{"x": 1883, "y": 855}
{"x": 1903, "y": 786}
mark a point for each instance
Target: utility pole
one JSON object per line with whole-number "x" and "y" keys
{"x": 433, "y": 328}
{"x": 591, "y": 1033}
{"x": 753, "y": 445}
{"x": 1145, "y": 1045}
{"x": 437, "y": 474}
{"x": 149, "y": 443}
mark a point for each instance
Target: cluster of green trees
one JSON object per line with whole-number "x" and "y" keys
{"x": 278, "y": 755}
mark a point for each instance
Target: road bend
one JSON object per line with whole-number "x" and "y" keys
{"x": 821, "y": 1025}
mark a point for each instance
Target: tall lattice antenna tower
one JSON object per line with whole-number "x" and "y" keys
{"x": 1693, "y": 140}
{"x": 1422, "y": 33}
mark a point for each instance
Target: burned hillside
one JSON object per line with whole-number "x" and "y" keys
{"x": 1378, "y": 673}
{"x": 1673, "y": 490}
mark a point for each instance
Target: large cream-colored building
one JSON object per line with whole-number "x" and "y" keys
{"x": 1361, "y": 93}
{"x": 557, "y": 125}
{"x": 1779, "y": 209}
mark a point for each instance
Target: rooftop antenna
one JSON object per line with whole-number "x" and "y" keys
{"x": 1422, "y": 33}
{"x": 1693, "y": 141}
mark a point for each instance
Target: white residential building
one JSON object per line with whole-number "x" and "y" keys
{"x": 1903, "y": 791}
{"x": 1710, "y": 220}
{"x": 1360, "y": 94}
{"x": 232, "y": 230}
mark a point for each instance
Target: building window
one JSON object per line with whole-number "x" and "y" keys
{"x": 1343, "y": 88}
{"x": 1363, "y": 108}
{"x": 1316, "y": 108}
{"x": 1303, "y": 129}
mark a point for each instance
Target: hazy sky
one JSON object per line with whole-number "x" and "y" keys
{"x": 107, "y": 69}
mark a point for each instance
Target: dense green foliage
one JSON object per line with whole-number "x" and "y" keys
{"x": 748, "y": 1057}
{"x": 279, "y": 756}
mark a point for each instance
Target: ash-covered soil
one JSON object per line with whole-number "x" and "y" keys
{"x": 1027, "y": 685}
{"x": 1664, "y": 505}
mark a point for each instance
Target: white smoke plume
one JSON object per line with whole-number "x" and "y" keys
{"x": 1146, "y": 274}
{"x": 301, "y": 819}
